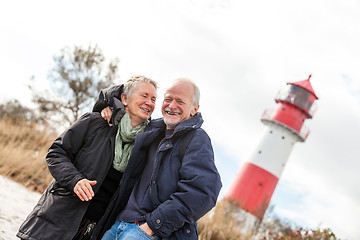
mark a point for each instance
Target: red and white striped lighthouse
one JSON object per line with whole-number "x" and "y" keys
{"x": 256, "y": 181}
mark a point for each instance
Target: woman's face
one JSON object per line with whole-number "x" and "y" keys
{"x": 141, "y": 102}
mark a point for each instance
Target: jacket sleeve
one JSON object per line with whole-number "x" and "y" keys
{"x": 61, "y": 155}
{"x": 197, "y": 189}
{"x": 106, "y": 97}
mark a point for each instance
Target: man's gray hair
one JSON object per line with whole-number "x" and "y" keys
{"x": 131, "y": 84}
{"x": 196, "y": 96}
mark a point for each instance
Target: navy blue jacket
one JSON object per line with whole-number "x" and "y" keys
{"x": 181, "y": 191}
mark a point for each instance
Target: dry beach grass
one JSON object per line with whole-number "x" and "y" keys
{"x": 22, "y": 153}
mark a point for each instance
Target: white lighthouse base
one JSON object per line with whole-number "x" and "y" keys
{"x": 247, "y": 224}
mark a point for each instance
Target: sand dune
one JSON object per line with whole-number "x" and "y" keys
{"x": 16, "y": 202}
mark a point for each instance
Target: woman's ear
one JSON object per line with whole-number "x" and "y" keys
{"x": 124, "y": 99}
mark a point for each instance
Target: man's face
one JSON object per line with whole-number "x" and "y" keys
{"x": 177, "y": 105}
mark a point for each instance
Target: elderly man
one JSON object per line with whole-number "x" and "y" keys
{"x": 179, "y": 183}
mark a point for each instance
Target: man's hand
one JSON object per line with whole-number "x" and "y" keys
{"x": 106, "y": 114}
{"x": 84, "y": 190}
{"x": 145, "y": 227}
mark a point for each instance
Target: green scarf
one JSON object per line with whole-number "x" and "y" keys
{"x": 124, "y": 142}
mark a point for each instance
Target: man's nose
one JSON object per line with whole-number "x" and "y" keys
{"x": 172, "y": 104}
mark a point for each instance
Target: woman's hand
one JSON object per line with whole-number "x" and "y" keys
{"x": 84, "y": 190}
{"x": 106, "y": 114}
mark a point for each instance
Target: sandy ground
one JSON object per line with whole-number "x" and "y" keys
{"x": 16, "y": 202}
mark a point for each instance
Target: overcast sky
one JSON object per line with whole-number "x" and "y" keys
{"x": 240, "y": 54}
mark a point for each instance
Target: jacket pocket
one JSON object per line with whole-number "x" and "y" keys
{"x": 57, "y": 189}
{"x": 47, "y": 208}
{"x": 61, "y": 191}
{"x": 154, "y": 195}
{"x": 59, "y": 204}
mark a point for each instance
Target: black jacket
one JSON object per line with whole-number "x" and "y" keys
{"x": 85, "y": 150}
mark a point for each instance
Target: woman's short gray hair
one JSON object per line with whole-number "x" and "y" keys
{"x": 131, "y": 84}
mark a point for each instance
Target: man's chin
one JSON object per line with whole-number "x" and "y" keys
{"x": 171, "y": 124}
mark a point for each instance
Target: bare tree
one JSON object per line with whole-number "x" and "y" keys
{"x": 76, "y": 79}
{"x": 15, "y": 111}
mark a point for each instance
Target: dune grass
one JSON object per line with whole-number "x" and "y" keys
{"x": 23, "y": 148}
{"x": 227, "y": 222}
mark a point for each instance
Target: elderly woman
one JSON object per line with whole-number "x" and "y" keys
{"x": 90, "y": 163}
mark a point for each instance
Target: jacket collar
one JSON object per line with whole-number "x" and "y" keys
{"x": 192, "y": 123}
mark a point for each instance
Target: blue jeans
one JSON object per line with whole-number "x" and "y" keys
{"x": 126, "y": 231}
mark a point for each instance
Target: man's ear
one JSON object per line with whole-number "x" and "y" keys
{"x": 194, "y": 110}
{"x": 124, "y": 99}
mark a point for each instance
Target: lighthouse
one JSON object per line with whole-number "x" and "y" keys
{"x": 256, "y": 181}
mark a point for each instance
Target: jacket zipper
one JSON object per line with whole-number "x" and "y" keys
{"x": 153, "y": 173}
